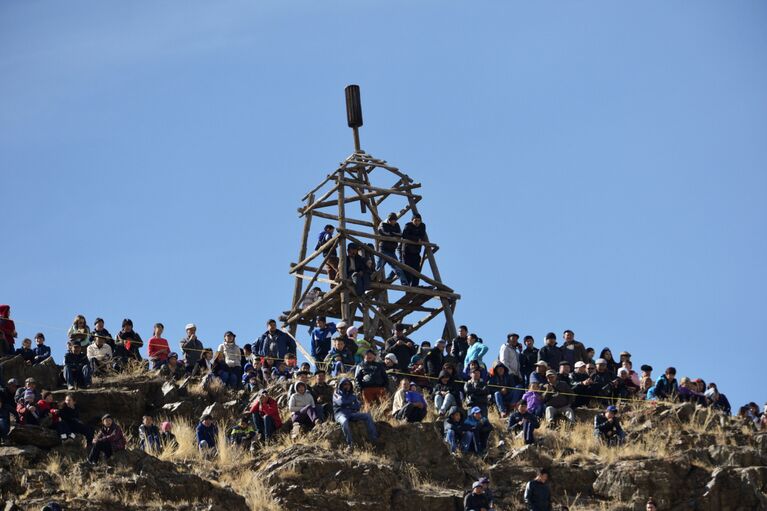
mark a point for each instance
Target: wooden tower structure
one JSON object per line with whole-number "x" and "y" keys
{"x": 355, "y": 199}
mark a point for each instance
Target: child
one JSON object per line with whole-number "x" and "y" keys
{"x": 26, "y": 352}
{"x": 149, "y": 435}
{"x": 167, "y": 438}
{"x": 481, "y": 428}
{"x": 158, "y": 347}
{"x": 281, "y": 373}
{"x": 47, "y": 409}
{"x": 41, "y": 350}
{"x": 456, "y": 434}
{"x": 242, "y": 432}
{"x": 524, "y": 422}
{"x": 534, "y": 400}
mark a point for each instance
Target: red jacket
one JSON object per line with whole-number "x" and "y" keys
{"x": 155, "y": 345}
{"x": 113, "y": 435}
{"x": 7, "y": 327}
{"x": 269, "y": 408}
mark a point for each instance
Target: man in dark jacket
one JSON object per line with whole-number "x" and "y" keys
{"x": 41, "y": 350}
{"x": 404, "y": 350}
{"x": 411, "y": 253}
{"x": 528, "y": 358}
{"x": 321, "y": 337}
{"x": 206, "y": 435}
{"x": 557, "y": 397}
{"x": 572, "y": 350}
{"x": 435, "y": 359}
{"x": 371, "y": 378}
{"x": 607, "y": 427}
{"x": 476, "y": 392}
{"x": 476, "y": 500}
{"x": 459, "y": 347}
{"x": 346, "y": 409}
{"x": 456, "y": 433}
{"x": 70, "y": 423}
{"x": 77, "y": 370}
{"x": 191, "y": 347}
{"x": 551, "y": 353}
{"x": 274, "y": 343}
{"x": 399, "y": 334}
{"x": 358, "y": 269}
{"x": 522, "y": 421}
{"x": 391, "y": 229}
{"x": 538, "y": 493}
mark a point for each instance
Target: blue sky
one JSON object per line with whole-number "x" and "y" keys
{"x": 598, "y": 166}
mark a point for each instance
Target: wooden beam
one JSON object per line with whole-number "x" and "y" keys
{"x": 401, "y": 265}
{"x": 325, "y": 300}
{"x": 301, "y": 256}
{"x": 380, "y": 237}
{"x": 316, "y": 204}
{"x": 342, "y": 255}
{"x": 356, "y": 198}
{"x": 404, "y": 190}
{"x": 298, "y": 266}
{"x": 425, "y": 320}
{"x": 415, "y": 290}
{"x": 328, "y": 216}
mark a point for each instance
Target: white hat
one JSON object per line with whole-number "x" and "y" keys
{"x": 190, "y": 325}
{"x": 579, "y": 364}
{"x": 392, "y": 357}
{"x": 623, "y": 370}
{"x": 601, "y": 361}
{"x": 341, "y": 324}
{"x": 541, "y": 363}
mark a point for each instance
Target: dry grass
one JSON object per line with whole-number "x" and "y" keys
{"x": 250, "y": 485}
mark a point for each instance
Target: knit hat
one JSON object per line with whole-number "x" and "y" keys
{"x": 392, "y": 357}
{"x": 166, "y": 426}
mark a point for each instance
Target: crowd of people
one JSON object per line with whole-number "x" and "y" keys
{"x": 527, "y": 386}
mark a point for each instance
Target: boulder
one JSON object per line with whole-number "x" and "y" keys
{"x": 530, "y": 455}
{"x": 731, "y": 456}
{"x": 46, "y": 373}
{"x": 37, "y": 436}
{"x": 12, "y": 455}
{"x": 126, "y": 406}
{"x": 735, "y": 489}
{"x": 169, "y": 392}
{"x": 426, "y": 500}
{"x": 216, "y": 410}
{"x": 179, "y": 408}
{"x": 685, "y": 411}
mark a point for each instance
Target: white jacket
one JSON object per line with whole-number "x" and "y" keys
{"x": 510, "y": 358}
{"x": 298, "y": 401}
{"x": 102, "y": 354}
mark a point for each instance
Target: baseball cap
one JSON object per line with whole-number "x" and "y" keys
{"x": 474, "y": 410}
{"x": 579, "y": 364}
{"x": 551, "y": 372}
{"x": 190, "y": 325}
{"x": 476, "y": 484}
{"x": 601, "y": 361}
{"x": 612, "y": 408}
{"x": 542, "y": 363}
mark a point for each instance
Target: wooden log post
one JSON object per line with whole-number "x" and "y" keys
{"x": 301, "y": 255}
{"x": 345, "y": 312}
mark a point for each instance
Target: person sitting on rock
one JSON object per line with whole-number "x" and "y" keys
{"x": 476, "y": 392}
{"x": 149, "y": 435}
{"x": 371, "y": 379}
{"x": 539, "y": 373}
{"x": 206, "y": 436}
{"x": 99, "y": 355}
{"x": 645, "y": 380}
{"x": 688, "y": 392}
{"x": 476, "y": 500}
{"x": 480, "y": 427}
{"x": 158, "y": 349}
{"x": 77, "y": 370}
{"x": 242, "y": 433}
{"x": 599, "y": 384}
{"x": 718, "y": 401}
{"x": 346, "y": 409}
{"x": 414, "y": 409}
{"x": 172, "y": 370}
{"x": 48, "y": 410}
{"x": 302, "y": 408}
{"x": 70, "y": 423}
{"x": 666, "y": 387}
{"x": 651, "y": 505}
{"x": 473, "y": 365}
{"x": 607, "y": 427}
{"x": 447, "y": 394}
{"x": 537, "y": 492}
{"x": 191, "y": 347}
{"x": 109, "y": 439}
{"x": 282, "y": 373}
{"x": 629, "y": 366}
{"x": 204, "y": 365}
{"x": 79, "y": 333}
{"x": 30, "y": 384}
{"x": 27, "y": 409}
{"x": 8, "y": 332}
{"x": 100, "y": 331}
{"x": 266, "y": 415}
{"x": 623, "y": 385}
{"x": 167, "y": 438}
{"x": 339, "y": 353}
{"x": 504, "y": 395}
{"x": 457, "y": 434}
{"x": 523, "y": 422}
{"x": 323, "y": 393}
{"x": 128, "y": 343}
{"x": 417, "y": 371}
{"x": 7, "y": 407}
{"x": 42, "y": 352}
{"x": 232, "y": 360}
{"x": 557, "y": 397}
{"x": 26, "y": 352}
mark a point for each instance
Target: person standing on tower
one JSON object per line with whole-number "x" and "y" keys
{"x": 415, "y": 230}
{"x": 391, "y": 229}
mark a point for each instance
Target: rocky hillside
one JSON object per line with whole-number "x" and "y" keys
{"x": 685, "y": 458}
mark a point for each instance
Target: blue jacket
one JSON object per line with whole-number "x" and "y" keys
{"x": 41, "y": 353}
{"x": 475, "y": 352}
{"x": 321, "y": 341}
{"x": 345, "y": 403}
{"x": 473, "y": 424}
{"x": 664, "y": 388}
{"x": 207, "y": 434}
{"x": 275, "y": 345}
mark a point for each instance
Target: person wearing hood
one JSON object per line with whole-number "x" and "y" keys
{"x": 456, "y": 433}
{"x": 476, "y": 500}
{"x": 504, "y": 392}
{"x": 302, "y": 407}
{"x": 321, "y": 336}
{"x": 266, "y": 415}
{"x": 274, "y": 343}
{"x": 206, "y": 435}
{"x": 484, "y": 376}
{"x": 476, "y": 351}
{"x": 108, "y": 440}
{"x": 232, "y": 360}
{"x": 476, "y": 392}
{"x": 8, "y": 332}
{"x": 346, "y": 409}
{"x": 480, "y": 426}
{"x": 447, "y": 394}
{"x": 191, "y": 347}
{"x": 371, "y": 379}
